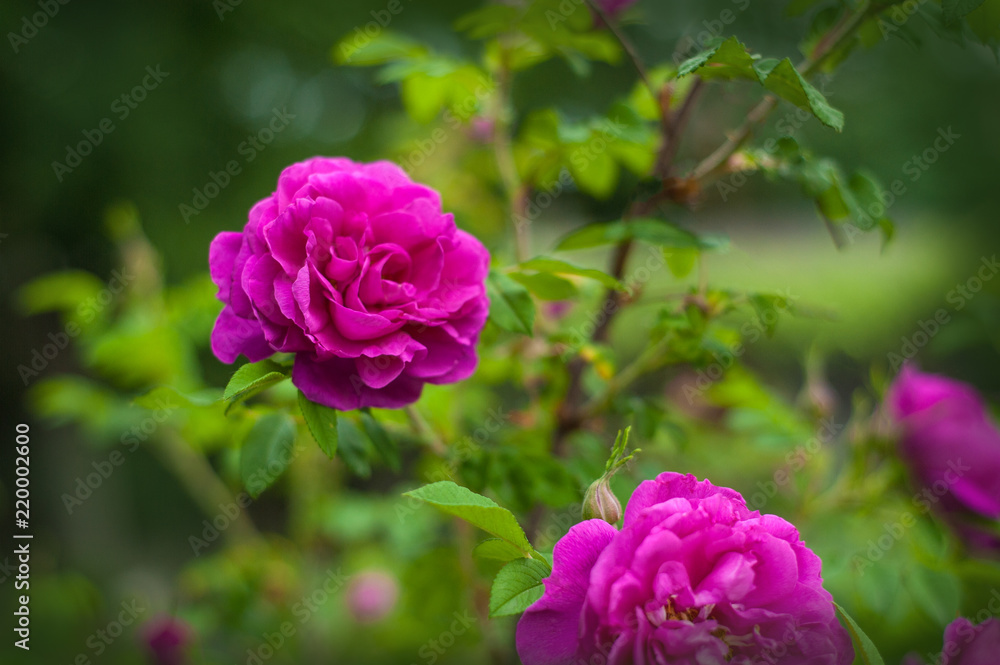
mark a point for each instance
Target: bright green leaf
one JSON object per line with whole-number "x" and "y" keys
{"x": 517, "y": 586}
{"x": 544, "y": 264}
{"x": 498, "y": 549}
{"x": 322, "y": 423}
{"x": 477, "y": 510}
{"x": 251, "y": 379}
{"x": 728, "y": 60}
{"x": 681, "y": 261}
{"x": 546, "y": 285}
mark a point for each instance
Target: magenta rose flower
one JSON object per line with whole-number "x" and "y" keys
{"x": 965, "y": 643}
{"x": 356, "y": 270}
{"x": 692, "y": 578}
{"x": 167, "y": 640}
{"x": 950, "y": 443}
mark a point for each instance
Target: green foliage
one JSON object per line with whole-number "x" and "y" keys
{"x": 252, "y": 379}
{"x": 511, "y": 307}
{"x": 517, "y": 586}
{"x": 268, "y": 450}
{"x": 322, "y": 423}
{"x": 868, "y": 654}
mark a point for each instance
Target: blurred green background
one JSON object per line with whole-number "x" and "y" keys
{"x": 226, "y": 76}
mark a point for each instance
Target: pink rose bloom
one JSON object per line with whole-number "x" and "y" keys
{"x": 952, "y": 447}
{"x": 967, "y": 644}
{"x": 355, "y": 269}
{"x": 693, "y": 578}
{"x": 372, "y": 595}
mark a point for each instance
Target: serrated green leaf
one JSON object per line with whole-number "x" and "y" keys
{"x": 544, "y": 264}
{"x": 511, "y": 306}
{"x": 322, "y": 423}
{"x": 251, "y": 379}
{"x": 475, "y": 509}
{"x": 786, "y": 82}
{"x": 868, "y": 653}
{"x": 498, "y": 549}
{"x": 517, "y": 586}
{"x": 546, "y": 285}
{"x": 267, "y": 452}
{"x": 956, "y": 9}
{"x": 728, "y": 60}
{"x": 383, "y": 443}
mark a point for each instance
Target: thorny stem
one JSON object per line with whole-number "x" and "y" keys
{"x": 571, "y": 417}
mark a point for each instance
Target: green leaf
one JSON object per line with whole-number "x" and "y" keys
{"x": 497, "y": 548}
{"x": 267, "y": 452}
{"x": 354, "y": 448}
{"x": 647, "y": 229}
{"x": 546, "y": 286}
{"x": 786, "y": 82}
{"x": 596, "y": 173}
{"x": 381, "y": 440}
{"x": 475, "y": 509}
{"x": 157, "y": 397}
{"x": 322, "y": 423}
{"x": 681, "y": 261}
{"x": 956, "y": 9}
{"x": 868, "y": 653}
{"x": 360, "y": 50}
{"x": 517, "y": 586}
{"x": 544, "y": 264}
{"x": 728, "y": 60}
{"x": 251, "y": 379}
{"x": 511, "y": 306}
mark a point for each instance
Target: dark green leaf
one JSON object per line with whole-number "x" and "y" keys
{"x": 267, "y": 452}
{"x": 511, "y": 306}
{"x": 728, "y": 60}
{"x": 383, "y": 443}
{"x": 251, "y": 379}
{"x": 786, "y": 82}
{"x": 322, "y": 423}
{"x": 354, "y": 448}
{"x": 956, "y": 9}
{"x": 517, "y": 586}
{"x": 868, "y": 653}
{"x": 476, "y": 510}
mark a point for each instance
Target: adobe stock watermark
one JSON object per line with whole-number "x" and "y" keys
{"x": 121, "y": 107}
{"x": 364, "y": 34}
{"x": 303, "y": 610}
{"x": 100, "y": 640}
{"x": 30, "y": 25}
{"x": 86, "y": 311}
{"x": 958, "y": 298}
{"x": 248, "y": 149}
{"x": 454, "y": 118}
{"x": 923, "y": 502}
{"x": 966, "y": 633}
{"x": 85, "y": 486}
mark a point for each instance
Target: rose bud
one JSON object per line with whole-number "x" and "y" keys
{"x": 166, "y": 640}
{"x": 600, "y": 503}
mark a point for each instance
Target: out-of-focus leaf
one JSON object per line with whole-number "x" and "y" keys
{"x": 544, "y": 264}
{"x": 267, "y": 452}
{"x": 546, "y": 285}
{"x": 383, "y": 443}
{"x": 511, "y": 307}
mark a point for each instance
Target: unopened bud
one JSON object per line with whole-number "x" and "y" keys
{"x": 600, "y": 503}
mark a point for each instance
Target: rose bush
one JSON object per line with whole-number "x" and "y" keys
{"x": 693, "y": 577}
{"x": 356, "y": 270}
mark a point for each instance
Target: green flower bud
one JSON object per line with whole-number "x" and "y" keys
{"x": 601, "y": 503}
